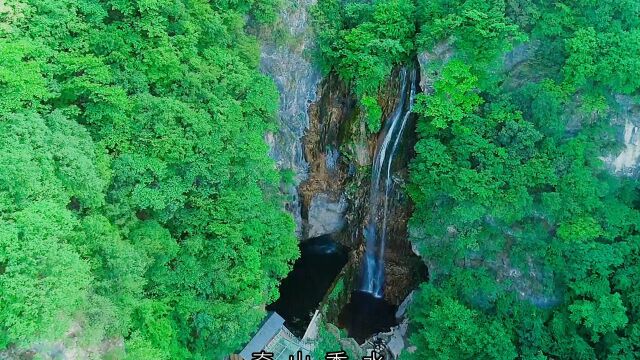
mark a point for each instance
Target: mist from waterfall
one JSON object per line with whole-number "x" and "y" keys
{"x": 375, "y": 230}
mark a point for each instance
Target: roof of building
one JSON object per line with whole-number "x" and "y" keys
{"x": 269, "y": 328}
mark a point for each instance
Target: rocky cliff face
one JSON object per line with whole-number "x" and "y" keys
{"x": 285, "y": 58}
{"x": 323, "y": 139}
{"x": 323, "y": 197}
{"x": 334, "y": 198}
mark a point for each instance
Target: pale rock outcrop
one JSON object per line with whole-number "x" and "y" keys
{"x": 326, "y": 216}
{"x": 626, "y": 162}
{"x": 396, "y": 339}
{"x": 431, "y": 63}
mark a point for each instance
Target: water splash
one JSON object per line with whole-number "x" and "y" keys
{"x": 372, "y": 280}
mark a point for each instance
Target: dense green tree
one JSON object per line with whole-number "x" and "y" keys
{"x": 362, "y": 42}
{"x": 503, "y": 185}
{"x": 479, "y": 29}
{"x": 48, "y": 171}
{"x": 453, "y": 331}
{"x": 135, "y": 176}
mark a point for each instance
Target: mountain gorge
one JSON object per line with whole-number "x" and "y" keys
{"x": 168, "y": 168}
{"x": 522, "y": 154}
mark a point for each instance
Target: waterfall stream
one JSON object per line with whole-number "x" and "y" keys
{"x": 375, "y": 231}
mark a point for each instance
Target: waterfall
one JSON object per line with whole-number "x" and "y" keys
{"x": 375, "y": 231}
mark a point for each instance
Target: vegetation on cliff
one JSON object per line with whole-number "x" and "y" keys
{"x": 532, "y": 243}
{"x": 137, "y": 198}
{"x": 362, "y": 42}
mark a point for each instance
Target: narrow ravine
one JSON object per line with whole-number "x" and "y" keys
{"x": 369, "y": 311}
{"x": 375, "y": 231}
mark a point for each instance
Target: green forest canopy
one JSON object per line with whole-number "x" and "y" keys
{"x": 137, "y": 199}
{"x": 532, "y": 244}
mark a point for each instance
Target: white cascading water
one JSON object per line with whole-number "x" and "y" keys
{"x": 372, "y": 280}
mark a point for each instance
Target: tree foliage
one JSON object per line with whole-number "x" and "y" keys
{"x": 526, "y": 231}
{"x": 362, "y": 42}
{"x": 137, "y": 196}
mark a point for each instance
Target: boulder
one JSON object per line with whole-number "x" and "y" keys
{"x": 396, "y": 343}
{"x": 326, "y": 216}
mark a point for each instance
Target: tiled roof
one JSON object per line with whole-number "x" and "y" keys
{"x": 269, "y": 328}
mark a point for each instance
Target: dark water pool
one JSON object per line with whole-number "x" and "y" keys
{"x": 320, "y": 262}
{"x": 366, "y": 315}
